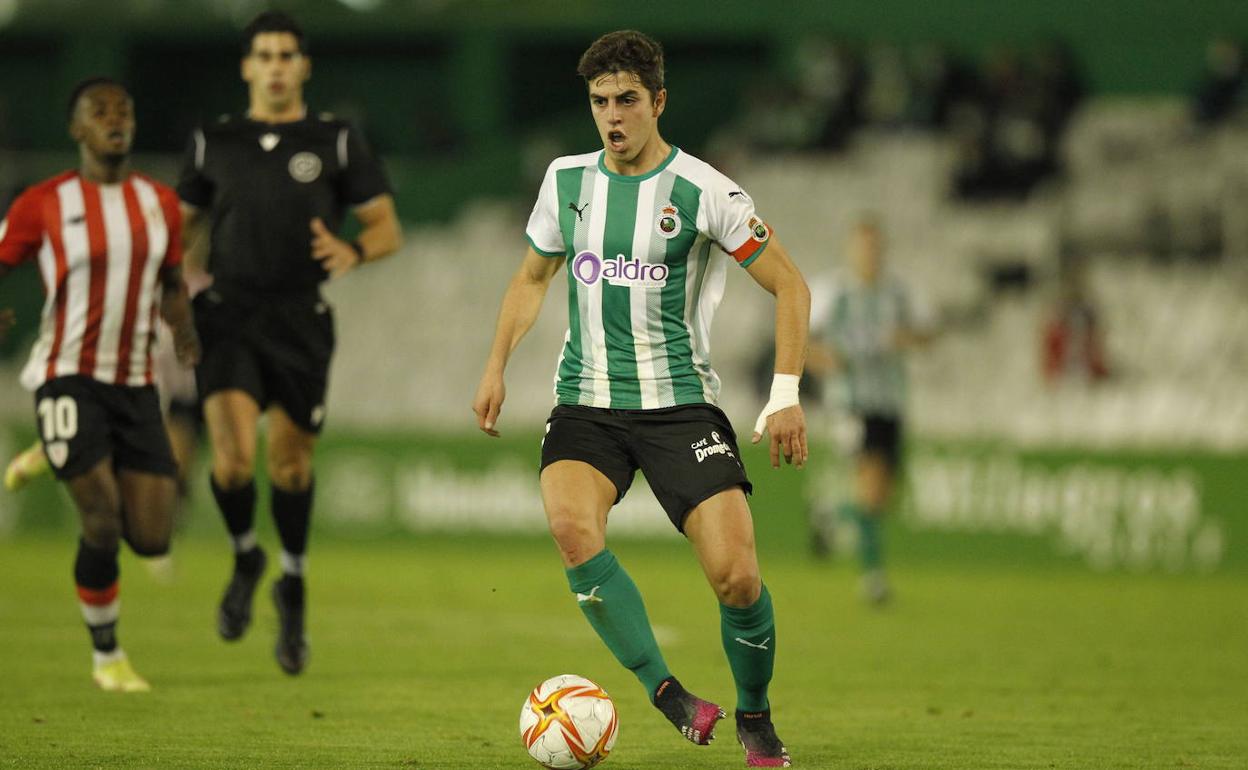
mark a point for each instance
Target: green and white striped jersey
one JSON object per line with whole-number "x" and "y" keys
{"x": 861, "y": 321}
{"x": 643, "y": 278}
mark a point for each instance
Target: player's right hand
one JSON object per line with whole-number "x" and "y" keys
{"x": 7, "y": 320}
{"x": 489, "y": 402}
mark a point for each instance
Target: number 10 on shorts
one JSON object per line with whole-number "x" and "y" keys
{"x": 58, "y": 418}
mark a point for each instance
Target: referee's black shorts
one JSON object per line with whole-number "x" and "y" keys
{"x": 687, "y": 453}
{"x": 276, "y": 348}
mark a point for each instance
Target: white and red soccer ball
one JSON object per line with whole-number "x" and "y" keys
{"x": 568, "y": 723}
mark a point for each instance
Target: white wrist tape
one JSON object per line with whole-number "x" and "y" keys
{"x": 783, "y": 395}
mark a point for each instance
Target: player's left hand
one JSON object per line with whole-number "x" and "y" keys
{"x": 7, "y": 320}
{"x": 186, "y": 345}
{"x": 336, "y": 256}
{"x": 787, "y": 429}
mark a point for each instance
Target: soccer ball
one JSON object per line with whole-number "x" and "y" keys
{"x": 568, "y": 723}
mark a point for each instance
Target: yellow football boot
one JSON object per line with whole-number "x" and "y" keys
{"x": 28, "y": 464}
{"x": 117, "y": 675}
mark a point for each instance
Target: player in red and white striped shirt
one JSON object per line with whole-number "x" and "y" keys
{"x": 106, "y": 242}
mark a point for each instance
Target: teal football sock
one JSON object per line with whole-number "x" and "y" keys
{"x": 870, "y": 535}
{"x": 613, "y": 606}
{"x": 749, "y": 636}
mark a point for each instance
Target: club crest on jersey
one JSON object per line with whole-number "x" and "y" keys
{"x": 269, "y": 141}
{"x": 304, "y": 167}
{"x": 668, "y": 223}
{"x": 589, "y": 269}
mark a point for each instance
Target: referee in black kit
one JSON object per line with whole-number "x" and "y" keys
{"x": 272, "y": 186}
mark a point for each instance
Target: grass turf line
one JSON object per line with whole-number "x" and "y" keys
{"x": 422, "y": 651}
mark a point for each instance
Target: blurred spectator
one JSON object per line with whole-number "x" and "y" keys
{"x": 1223, "y": 86}
{"x": 888, "y": 96}
{"x": 1009, "y": 141}
{"x": 1073, "y": 344}
{"x": 940, "y": 82}
{"x": 834, "y": 80}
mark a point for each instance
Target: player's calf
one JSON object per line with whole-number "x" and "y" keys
{"x": 692, "y": 716}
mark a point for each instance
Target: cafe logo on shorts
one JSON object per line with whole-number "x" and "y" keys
{"x": 58, "y": 453}
{"x": 668, "y": 223}
{"x": 304, "y": 167}
{"x": 710, "y": 447}
{"x": 589, "y": 268}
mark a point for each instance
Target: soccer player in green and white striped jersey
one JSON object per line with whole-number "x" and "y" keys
{"x": 646, "y": 232}
{"x": 864, "y": 321}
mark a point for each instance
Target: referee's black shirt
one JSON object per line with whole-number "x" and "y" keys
{"x": 262, "y": 183}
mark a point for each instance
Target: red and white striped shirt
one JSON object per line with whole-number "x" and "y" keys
{"x": 100, "y": 249}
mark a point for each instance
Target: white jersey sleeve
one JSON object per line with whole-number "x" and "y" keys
{"x": 543, "y": 231}
{"x": 732, "y": 222}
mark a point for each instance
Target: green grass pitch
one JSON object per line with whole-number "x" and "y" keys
{"x": 423, "y": 649}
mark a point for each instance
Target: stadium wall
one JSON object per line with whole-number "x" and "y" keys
{"x": 967, "y": 502}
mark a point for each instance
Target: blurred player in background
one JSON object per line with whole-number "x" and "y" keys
{"x": 647, "y": 231}
{"x": 264, "y": 192}
{"x": 863, "y": 322}
{"x": 106, "y": 241}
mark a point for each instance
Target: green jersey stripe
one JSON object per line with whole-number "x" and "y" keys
{"x": 621, "y": 218}
{"x": 685, "y": 257}
{"x": 648, "y": 316}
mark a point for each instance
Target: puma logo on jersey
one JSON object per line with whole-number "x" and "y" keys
{"x": 735, "y": 193}
{"x": 760, "y": 646}
{"x": 590, "y": 597}
{"x": 76, "y": 220}
{"x": 579, "y": 212}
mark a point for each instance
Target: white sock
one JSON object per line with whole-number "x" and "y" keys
{"x": 104, "y": 658}
{"x": 292, "y": 564}
{"x": 244, "y": 542}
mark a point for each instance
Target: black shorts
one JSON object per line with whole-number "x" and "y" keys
{"x": 881, "y": 435}
{"x": 81, "y": 421}
{"x": 275, "y": 348}
{"x": 687, "y": 453}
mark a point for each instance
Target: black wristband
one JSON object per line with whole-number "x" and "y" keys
{"x": 359, "y": 252}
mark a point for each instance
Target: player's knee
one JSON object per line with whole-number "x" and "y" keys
{"x": 576, "y": 537}
{"x": 101, "y": 529}
{"x": 291, "y": 475}
{"x": 737, "y": 585}
{"x": 233, "y": 470}
{"x": 148, "y": 545}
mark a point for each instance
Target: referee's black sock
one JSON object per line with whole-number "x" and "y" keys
{"x": 292, "y": 512}
{"x": 238, "y": 508}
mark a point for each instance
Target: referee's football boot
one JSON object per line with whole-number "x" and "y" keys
{"x": 758, "y": 735}
{"x": 692, "y": 716}
{"x": 234, "y": 615}
{"x": 292, "y": 648}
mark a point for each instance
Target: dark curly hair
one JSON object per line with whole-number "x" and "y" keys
{"x": 625, "y": 50}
